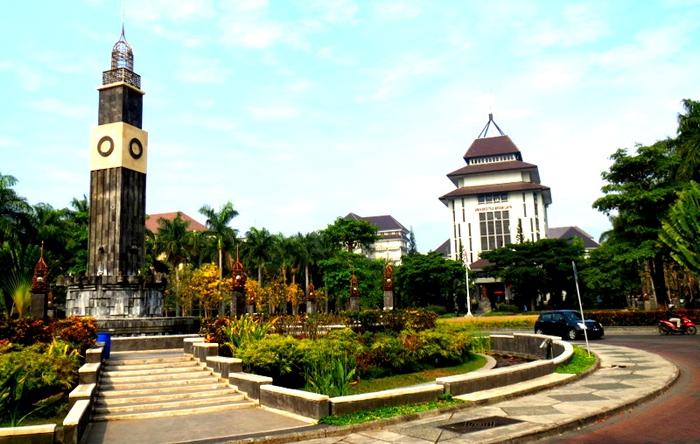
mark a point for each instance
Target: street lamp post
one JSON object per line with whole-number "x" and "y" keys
{"x": 466, "y": 274}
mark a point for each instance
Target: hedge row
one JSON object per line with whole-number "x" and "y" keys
{"x": 623, "y": 318}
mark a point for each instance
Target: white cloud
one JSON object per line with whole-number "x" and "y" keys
{"x": 395, "y": 79}
{"x": 327, "y": 53}
{"x": 334, "y": 11}
{"x": 274, "y": 112}
{"x": 201, "y": 70}
{"x": 28, "y": 78}
{"x": 252, "y": 35}
{"x": 61, "y": 108}
{"x": 397, "y": 10}
{"x": 178, "y": 11}
{"x": 300, "y": 86}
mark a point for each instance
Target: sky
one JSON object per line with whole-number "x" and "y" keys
{"x": 302, "y": 111}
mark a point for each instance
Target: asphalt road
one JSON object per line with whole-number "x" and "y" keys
{"x": 671, "y": 418}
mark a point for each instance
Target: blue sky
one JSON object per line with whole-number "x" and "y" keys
{"x": 301, "y": 111}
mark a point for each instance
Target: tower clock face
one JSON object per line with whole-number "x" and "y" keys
{"x": 135, "y": 148}
{"x": 105, "y": 146}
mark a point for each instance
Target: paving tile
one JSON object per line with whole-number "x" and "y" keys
{"x": 609, "y": 386}
{"x": 533, "y": 410}
{"x": 577, "y": 397}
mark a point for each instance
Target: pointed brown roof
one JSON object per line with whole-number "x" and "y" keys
{"x": 383, "y": 223}
{"x": 152, "y": 221}
{"x": 496, "y": 188}
{"x": 492, "y": 167}
{"x": 491, "y": 146}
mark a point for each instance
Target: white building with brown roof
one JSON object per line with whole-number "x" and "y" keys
{"x": 498, "y": 198}
{"x": 392, "y": 241}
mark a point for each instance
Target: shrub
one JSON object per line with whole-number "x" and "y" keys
{"x": 631, "y": 317}
{"x": 279, "y": 357}
{"x": 437, "y": 309}
{"x": 34, "y": 379}
{"x": 78, "y": 331}
{"x": 330, "y": 374}
{"x": 244, "y": 330}
{"x": 507, "y": 308}
{"x": 25, "y": 331}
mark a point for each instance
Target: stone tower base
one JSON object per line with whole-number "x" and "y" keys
{"x": 104, "y": 300}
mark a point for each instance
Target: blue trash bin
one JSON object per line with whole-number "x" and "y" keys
{"x": 106, "y": 339}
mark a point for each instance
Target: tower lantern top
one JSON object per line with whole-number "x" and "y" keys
{"x": 122, "y": 67}
{"x": 122, "y": 55}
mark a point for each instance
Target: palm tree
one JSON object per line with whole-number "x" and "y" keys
{"x": 172, "y": 239}
{"x": 259, "y": 248}
{"x": 217, "y": 224}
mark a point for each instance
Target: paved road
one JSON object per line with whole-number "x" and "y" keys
{"x": 673, "y": 417}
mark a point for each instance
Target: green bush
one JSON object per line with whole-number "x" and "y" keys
{"x": 437, "y": 309}
{"x": 507, "y": 308}
{"x": 35, "y": 379}
{"x": 623, "y": 318}
{"x": 78, "y": 331}
{"x": 279, "y": 357}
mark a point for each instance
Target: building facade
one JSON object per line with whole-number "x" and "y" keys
{"x": 498, "y": 199}
{"x": 392, "y": 240}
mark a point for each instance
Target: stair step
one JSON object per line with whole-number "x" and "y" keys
{"x": 157, "y": 365}
{"x": 151, "y": 372}
{"x": 146, "y": 361}
{"x": 176, "y": 412}
{"x": 190, "y": 374}
{"x": 169, "y": 405}
{"x": 160, "y": 397}
{"x": 202, "y": 379}
{"x": 142, "y": 391}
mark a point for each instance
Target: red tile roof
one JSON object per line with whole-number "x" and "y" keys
{"x": 491, "y": 146}
{"x": 492, "y": 167}
{"x": 501, "y": 187}
{"x": 152, "y": 221}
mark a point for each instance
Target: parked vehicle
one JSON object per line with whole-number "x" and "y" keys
{"x": 667, "y": 327}
{"x": 567, "y": 324}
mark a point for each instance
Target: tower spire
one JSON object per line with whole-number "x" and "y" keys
{"x": 485, "y": 131}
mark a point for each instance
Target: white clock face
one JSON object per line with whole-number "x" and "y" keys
{"x": 105, "y": 146}
{"x": 135, "y": 148}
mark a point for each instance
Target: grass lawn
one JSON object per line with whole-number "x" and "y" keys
{"x": 579, "y": 362}
{"x": 489, "y": 322}
{"x": 394, "y": 381}
{"x": 388, "y": 412}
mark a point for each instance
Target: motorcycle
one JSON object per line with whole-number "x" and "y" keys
{"x": 667, "y": 327}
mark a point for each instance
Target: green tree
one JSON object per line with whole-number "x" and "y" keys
{"x": 412, "y": 247}
{"x": 687, "y": 142}
{"x": 337, "y": 270}
{"x": 640, "y": 188}
{"x": 535, "y": 269}
{"x": 259, "y": 249}
{"x": 429, "y": 279}
{"x": 218, "y": 226}
{"x": 681, "y": 229}
{"x": 351, "y": 233}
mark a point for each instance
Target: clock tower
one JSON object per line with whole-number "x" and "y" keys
{"x": 115, "y": 284}
{"x": 118, "y": 161}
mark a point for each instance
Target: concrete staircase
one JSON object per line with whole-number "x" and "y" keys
{"x": 158, "y": 384}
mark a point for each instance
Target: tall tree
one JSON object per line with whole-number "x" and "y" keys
{"x": 534, "y": 269}
{"x": 412, "y": 247}
{"x": 681, "y": 229}
{"x": 687, "y": 142}
{"x": 259, "y": 249}
{"x": 351, "y": 233}
{"x": 172, "y": 239}
{"x": 218, "y": 225}
{"x": 429, "y": 279}
{"x": 640, "y": 188}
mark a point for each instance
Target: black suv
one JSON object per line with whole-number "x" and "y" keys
{"x": 567, "y": 324}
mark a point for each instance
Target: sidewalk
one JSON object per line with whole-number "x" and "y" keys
{"x": 626, "y": 377}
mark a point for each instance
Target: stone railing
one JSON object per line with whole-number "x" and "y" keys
{"x": 546, "y": 351}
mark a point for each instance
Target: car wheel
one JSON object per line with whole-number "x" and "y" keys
{"x": 539, "y": 331}
{"x": 571, "y": 334}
